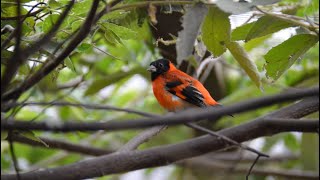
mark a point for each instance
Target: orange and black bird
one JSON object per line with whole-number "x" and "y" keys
{"x": 176, "y": 90}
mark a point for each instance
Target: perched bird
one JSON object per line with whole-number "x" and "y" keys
{"x": 176, "y": 90}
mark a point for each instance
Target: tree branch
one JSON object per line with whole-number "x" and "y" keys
{"x": 87, "y": 106}
{"x": 51, "y": 65}
{"x": 163, "y": 155}
{"x": 143, "y": 137}
{"x": 191, "y": 115}
{"x": 59, "y": 144}
{"x": 216, "y": 167}
{"x": 20, "y": 57}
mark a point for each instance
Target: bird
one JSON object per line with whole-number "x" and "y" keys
{"x": 176, "y": 90}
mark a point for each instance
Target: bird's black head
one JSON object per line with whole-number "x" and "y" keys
{"x": 158, "y": 67}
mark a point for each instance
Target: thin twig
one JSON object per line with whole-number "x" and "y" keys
{"x": 291, "y": 20}
{"x": 13, "y": 156}
{"x": 191, "y": 115}
{"x": 19, "y": 57}
{"x": 60, "y": 144}
{"x": 251, "y": 167}
{"x": 167, "y": 154}
{"x": 87, "y": 106}
{"x": 223, "y": 167}
{"x": 106, "y": 53}
{"x": 226, "y": 139}
{"x": 141, "y": 138}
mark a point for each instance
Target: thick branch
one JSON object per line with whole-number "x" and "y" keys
{"x": 192, "y": 115}
{"x": 163, "y": 155}
{"x": 216, "y": 167}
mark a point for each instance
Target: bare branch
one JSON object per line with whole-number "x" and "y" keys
{"x": 141, "y": 138}
{"x": 163, "y": 155}
{"x": 191, "y": 115}
{"x": 226, "y": 139}
{"x": 87, "y": 106}
{"x": 59, "y": 144}
{"x": 13, "y": 156}
{"x": 251, "y": 167}
{"x": 221, "y": 168}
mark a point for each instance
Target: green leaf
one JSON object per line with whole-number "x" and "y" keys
{"x": 76, "y": 24}
{"x": 100, "y": 83}
{"x": 248, "y": 46}
{"x": 83, "y": 47}
{"x": 282, "y": 57}
{"x": 82, "y": 7}
{"x": 241, "y": 32}
{"x": 70, "y": 64}
{"x": 266, "y": 25}
{"x": 54, "y": 4}
{"x": 121, "y": 31}
{"x": 4, "y": 134}
{"x": 119, "y": 14}
{"x": 310, "y": 151}
{"x": 247, "y": 65}
{"x": 291, "y": 142}
{"x": 49, "y": 22}
{"x": 216, "y": 31}
{"x": 32, "y": 136}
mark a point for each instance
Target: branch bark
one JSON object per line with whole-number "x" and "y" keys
{"x": 164, "y": 155}
{"x": 63, "y": 145}
{"x": 191, "y": 115}
{"x": 220, "y": 168}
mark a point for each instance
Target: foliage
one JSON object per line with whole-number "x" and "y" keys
{"x": 108, "y": 67}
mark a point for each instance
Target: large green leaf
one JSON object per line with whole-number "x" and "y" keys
{"x": 243, "y": 59}
{"x": 100, "y": 83}
{"x": 281, "y": 57}
{"x": 266, "y": 25}
{"x": 121, "y": 31}
{"x": 240, "y": 33}
{"x": 216, "y": 31}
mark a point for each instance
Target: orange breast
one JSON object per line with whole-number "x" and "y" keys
{"x": 166, "y": 99}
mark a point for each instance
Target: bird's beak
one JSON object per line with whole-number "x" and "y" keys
{"x": 152, "y": 68}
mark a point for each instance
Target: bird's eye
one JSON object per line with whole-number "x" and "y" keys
{"x": 161, "y": 65}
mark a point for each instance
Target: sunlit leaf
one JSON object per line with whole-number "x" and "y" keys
{"x": 281, "y": 57}
{"x": 216, "y": 31}
{"x": 121, "y": 31}
{"x": 291, "y": 142}
{"x": 267, "y": 25}
{"x": 241, "y": 32}
{"x": 70, "y": 64}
